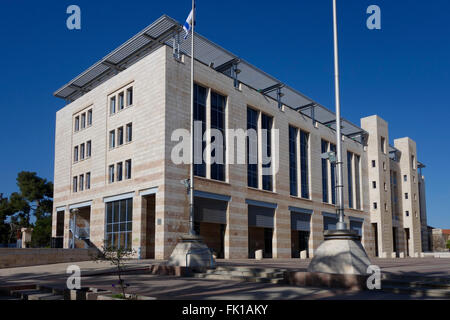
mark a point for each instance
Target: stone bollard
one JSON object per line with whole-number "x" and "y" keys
{"x": 383, "y": 255}
{"x": 422, "y": 255}
{"x": 394, "y": 255}
{"x": 402, "y": 255}
{"x": 416, "y": 255}
{"x": 304, "y": 255}
{"x": 259, "y": 254}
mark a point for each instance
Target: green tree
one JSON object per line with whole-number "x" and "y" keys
{"x": 35, "y": 198}
{"x": 448, "y": 244}
{"x": 5, "y": 211}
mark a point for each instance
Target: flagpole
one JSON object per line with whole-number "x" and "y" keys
{"x": 191, "y": 185}
{"x": 341, "y": 225}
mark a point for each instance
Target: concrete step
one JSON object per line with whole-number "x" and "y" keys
{"x": 228, "y": 277}
{"x": 45, "y": 296}
{"x": 248, "y": 273}
{"x": 419, "y": 292}
{"x": 23, "y": 294}
{"x": 249, "y": 269}
{"x": 422, "y": 283}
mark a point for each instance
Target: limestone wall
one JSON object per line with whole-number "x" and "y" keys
{"x": 11, "y": 258}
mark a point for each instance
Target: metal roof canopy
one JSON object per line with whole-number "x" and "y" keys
{"x": 163, "y": 32}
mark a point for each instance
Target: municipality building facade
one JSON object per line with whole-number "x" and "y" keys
{"x": 116, "y": 181}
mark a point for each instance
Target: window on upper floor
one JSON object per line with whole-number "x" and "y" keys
{"x": 218, "y": 105}
{"x": 129, "y": 133}
{"x": 120, "y": 136}
{"x": 128, "y": 169}
{"x": 82, "y": 182}
{"x": 75, "y": 154}
{"x": 374, "y": 184}
{"x": 112, "y": 105}
{"x": 88, "y": 149}
{"x": 75, "y": 184}
{"x": 405, "y": 178}
{"x": 130, "y": 96}
{"x": 77, "y": 124}
{"x": 374, "y": 164}
{"x": 406, "y": 196}
{"x": 82, "y": 151}
{"x": 383, "y": 145}
{"x": 111, "y": 174}
{"x": 375, "y": 205}
{"x": 121, "y": 101}
{"x": 83, "y": 121}
{"x": 89, "y": 118}
{"x": 88, "y": 181}
{"x": 120, "y": 171}
{"x": 112, "y": 139}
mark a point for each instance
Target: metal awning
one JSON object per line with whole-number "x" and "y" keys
{"x": 167, "y": 31}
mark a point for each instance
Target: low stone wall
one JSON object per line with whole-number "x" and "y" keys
{"x": 324, "y": 280}
{"x": 11, "y": 258}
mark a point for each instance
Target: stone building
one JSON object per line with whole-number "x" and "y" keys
{"x": 116, "y": 180}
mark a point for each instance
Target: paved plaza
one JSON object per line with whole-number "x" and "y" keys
{"x": 173, "y": 288}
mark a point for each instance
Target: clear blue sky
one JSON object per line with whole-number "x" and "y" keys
{"x": 401, "y": 73}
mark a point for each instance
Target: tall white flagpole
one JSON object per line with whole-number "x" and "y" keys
{"x": 341, "y": 225}
{"x": 191, "y": 186}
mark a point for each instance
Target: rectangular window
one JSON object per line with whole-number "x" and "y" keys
{"x": 407, "y": 213}
{"x": 405, "y": 178}
{"x": 218, "y": 104}
{"x": 75, "y": 184}
{"x": 383, "y": 145}
{"x": 304, "y": 163}
{"x": 88, "y": 149}
{"x": 112, "y": 139}
{"x": 293, "y": 161}
{"x": 357, "y": 182}
{"x": 111, "y": 174}
{"x": 83, "y": 121}
{"x": 119, "y": 222}
{"x": 252, "y": 148}
{"x": 112, "y": 105}
{"x": 266, "y": 126}
{"x": 75, "y": 154}
{"x": 129, "y": 132}
{"x": 88, "y": 181}
{"x": 82, "y": 182}
{"x": 324, "y": 149}
{"x": 77, "y": 124}
{"x": 121, "y": 101}
{"x": 374, "y": 163}
{"x": 89, "y": 118}
{"x": 350, "y": 179}
{"x": 120, "y": 136}
{"x": 130, "y": 96}
{"x": 385, "y": 187}
{"x": 199, "y": 116}
{"x": 406, "y": 196}
{"x": 413, "y": 162}
{"x": 333, "y": 176}
{"x": 128, "y": 169}
{"x": 120, "y": 171}
{"x": 374, "y": 184}
{"x": 82, "y": 151}
{"x": 375, "y": 205}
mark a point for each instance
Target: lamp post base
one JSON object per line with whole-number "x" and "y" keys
{"x": 340, "y": 253}
{"x": 191, "y": 251}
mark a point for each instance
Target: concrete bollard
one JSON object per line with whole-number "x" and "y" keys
{"x": 402, "y": 255}
{"x": 422, "y": 255}
{"x": 394, "y": 255}
{"x": 416, "y": 255}
{"x": 304, "y": 255}
{"x": 383, "y": 255}
{"x": 259, "y": 254}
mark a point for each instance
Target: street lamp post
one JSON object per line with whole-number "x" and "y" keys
{"x": 341, "y": 225}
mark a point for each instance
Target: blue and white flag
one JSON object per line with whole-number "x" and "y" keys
{"x": 188, "y": 24}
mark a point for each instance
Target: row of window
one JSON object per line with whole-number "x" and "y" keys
{"x": 119, "y": 171}
{"x": 120, "y": 136}
{"x": 81, "y": 183}
{"x": 299, "y": 162}
{"x": 119, "y": 224}
{"x": 83, "y": 121}
{"x": 82, "y": 152}
{"x": 217, "y": 122}
{"x": 122, "y": 100}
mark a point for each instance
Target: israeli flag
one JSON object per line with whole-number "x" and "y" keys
{"x": 188, "y": 24}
